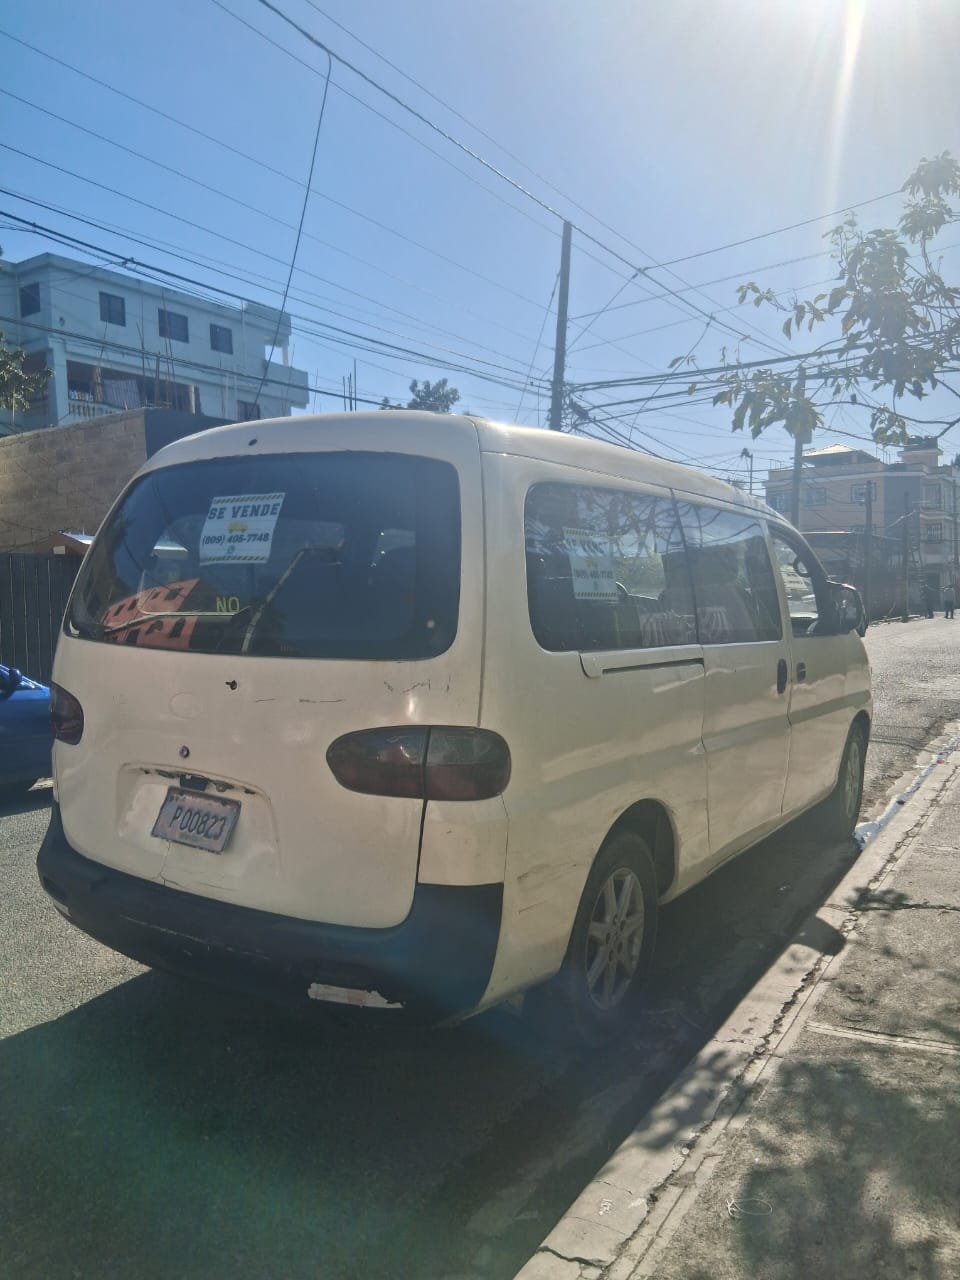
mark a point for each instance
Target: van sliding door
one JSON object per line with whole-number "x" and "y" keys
{"x": 746, "y": 730}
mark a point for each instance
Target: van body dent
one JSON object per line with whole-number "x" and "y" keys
{"x": 358, "y": 705}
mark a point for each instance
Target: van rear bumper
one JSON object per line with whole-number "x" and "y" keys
{"x": 437, "y": 962}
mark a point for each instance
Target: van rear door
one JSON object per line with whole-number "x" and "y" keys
{"x": 236, "y": 616}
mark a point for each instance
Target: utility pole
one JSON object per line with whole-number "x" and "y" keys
{"x": 795, "y": 494}
{"x": 867, "y": 545}
{"x": 906, "y": 547}
{"x": 953, "y": 490}
{"x": 560, "y": 350}
{"x": 745, "y": 453}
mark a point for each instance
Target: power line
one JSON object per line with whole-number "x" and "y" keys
{"x": 249, "y": 277}
{"x": 736, "y": 244}
{"x": 627, "y": 337}
{"x": 819, "y": 355}
{"x": 185, "y": 362}
{"x": 336, "y": 333}
{"x": 263, "y": 213}
{"x": 183, "y": 282}
{"x": 394, "y": 124}
{"x": 198, "y": 226}
{"x": 536, "y": 348}
{"x": 303, "y": 214}
{"x": 595, "y": 315}
{"x": 474, "y": 155}
{"x": 477, "y": 129}
{"x": 711, "y": 317}
{"x": 644, "y": 403}
{"x": 219, "y": 142}
{"x": 546, "y": 182}
{"x": 494, "y": 169}
{"x": 405, "y": 106}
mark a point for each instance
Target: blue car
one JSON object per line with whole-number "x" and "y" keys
{"x": 25, "y": 736}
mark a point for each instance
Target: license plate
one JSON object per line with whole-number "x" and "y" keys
{"x": 201, "y": 821}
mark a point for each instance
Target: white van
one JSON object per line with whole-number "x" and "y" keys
{"x": 414, "y": 710}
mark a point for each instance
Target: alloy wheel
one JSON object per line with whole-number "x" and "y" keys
{"x": 851, "y": 781}
{"x": 614, "y": 938}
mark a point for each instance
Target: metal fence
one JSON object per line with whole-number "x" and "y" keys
{"x": 33, "y": 595}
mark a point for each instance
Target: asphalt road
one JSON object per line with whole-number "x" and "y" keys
{"x": 151, "y": 1128}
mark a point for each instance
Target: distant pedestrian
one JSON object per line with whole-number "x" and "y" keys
{"x": 949, "y": 599}
{"x": 928, "y": 599}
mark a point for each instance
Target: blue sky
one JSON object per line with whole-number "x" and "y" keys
{"x": 664, "y": 131}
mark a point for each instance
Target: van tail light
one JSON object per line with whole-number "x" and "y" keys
{"x": 66, "y": 716}
{"x": 437, "y": 763}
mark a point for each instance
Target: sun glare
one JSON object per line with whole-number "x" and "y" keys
{"x": 844, "y": 86}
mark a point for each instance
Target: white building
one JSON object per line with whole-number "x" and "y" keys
{"x": 115, "y": 342}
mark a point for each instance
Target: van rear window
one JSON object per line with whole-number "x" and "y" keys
{"x": 323, "y": 555}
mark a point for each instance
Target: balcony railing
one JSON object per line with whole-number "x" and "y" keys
{"x": 81, "y": 410}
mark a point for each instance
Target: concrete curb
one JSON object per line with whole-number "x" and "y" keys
{"x": 641, "y": 1193}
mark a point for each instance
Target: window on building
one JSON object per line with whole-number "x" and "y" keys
{"x": 780, "y": 501}
{"x": 931, "y": 497}
{"x": 858, "y": 492}
{"x": 247, "y": 412}
{"x": 933, "y": 532}
{"x": 30, "y": 299}
{"x": 113, "y": 309}
{"x": 173, "y": 325}
{"x": 815, "y": 495}
{"x": 221, "y": 339}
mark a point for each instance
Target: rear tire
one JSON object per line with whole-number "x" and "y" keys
{"x": 595, "y": 996}
{"x": 836, "y": 818}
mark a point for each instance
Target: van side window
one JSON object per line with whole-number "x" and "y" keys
{"x": 802, "y": 581}
{"x": 599, "y": 565}
{"x": 733, "y": 579}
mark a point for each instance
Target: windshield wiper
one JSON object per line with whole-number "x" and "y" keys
{"x": 308, "y": 550}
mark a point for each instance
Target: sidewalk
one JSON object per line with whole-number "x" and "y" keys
{"x": 818, "y": 1134}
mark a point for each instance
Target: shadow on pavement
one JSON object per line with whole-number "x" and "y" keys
{"x": 14, "y": 801}
{"x": 162, "y": 1129}
{"x": 848, "y": 1169}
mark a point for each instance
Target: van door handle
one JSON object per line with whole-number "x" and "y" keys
{"x": 801, "y": 671}
{"x": 781, "y": 675}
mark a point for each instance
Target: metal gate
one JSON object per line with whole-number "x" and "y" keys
{"x": 33, "y": 596}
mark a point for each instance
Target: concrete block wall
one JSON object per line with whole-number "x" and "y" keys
{"x": 66, "y": 477}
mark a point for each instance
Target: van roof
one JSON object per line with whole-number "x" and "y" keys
{"x": 426, "y": 432}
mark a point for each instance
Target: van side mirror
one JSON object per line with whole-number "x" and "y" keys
{"x": 848, "y": 607}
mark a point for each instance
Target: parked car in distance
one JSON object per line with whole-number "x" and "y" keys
{"x": 25, "y": 737}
